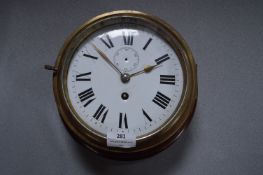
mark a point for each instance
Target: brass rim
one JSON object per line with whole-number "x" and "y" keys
{"x": 164, "y": 135}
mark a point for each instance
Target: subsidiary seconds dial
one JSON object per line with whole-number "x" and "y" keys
{"x": 104, "y": 100}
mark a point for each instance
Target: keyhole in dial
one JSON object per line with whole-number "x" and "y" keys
{"x": 124, "y": 95}
{"x": 126, "y": 59}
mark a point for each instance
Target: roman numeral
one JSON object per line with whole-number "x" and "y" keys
{"x": 128, "y": 40}
{"x": 147, "y": 43}
{"x": 100, "y": 112}
{"x": 90, "y": 56}
{"x": 162, "y": 59}
{"x": 83, "y": 77}
{"x": 146, "y": 115}
{"x": 167, "y": 79}
{"x": 161, "y": 100}
{"x": 108, "y": 43}
{"x": 86, "y": 95}
{"x": 123, "y": 119}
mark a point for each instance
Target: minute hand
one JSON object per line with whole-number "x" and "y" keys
{"x": 146, "y": 69}
{"x": 106, "y": 59}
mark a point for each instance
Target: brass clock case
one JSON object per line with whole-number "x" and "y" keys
{"x": 148, "y": 144}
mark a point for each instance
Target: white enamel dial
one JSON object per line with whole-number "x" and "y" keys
{"x": 140, "y": 105}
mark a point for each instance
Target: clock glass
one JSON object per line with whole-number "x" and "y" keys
{"x": 104, "y": 100}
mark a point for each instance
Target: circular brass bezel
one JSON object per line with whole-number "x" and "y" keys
{"x": 147, "y": 144}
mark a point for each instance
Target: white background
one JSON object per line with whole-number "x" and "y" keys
{"x": 107, "y": 86}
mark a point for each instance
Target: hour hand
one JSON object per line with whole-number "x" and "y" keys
{"x": 146, "y": 69}
{"x": 104, "y": 56}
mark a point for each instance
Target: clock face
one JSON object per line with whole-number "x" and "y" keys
{"x": 125, "y": 77}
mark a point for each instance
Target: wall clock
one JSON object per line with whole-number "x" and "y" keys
{"x": 125, "y": 84}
